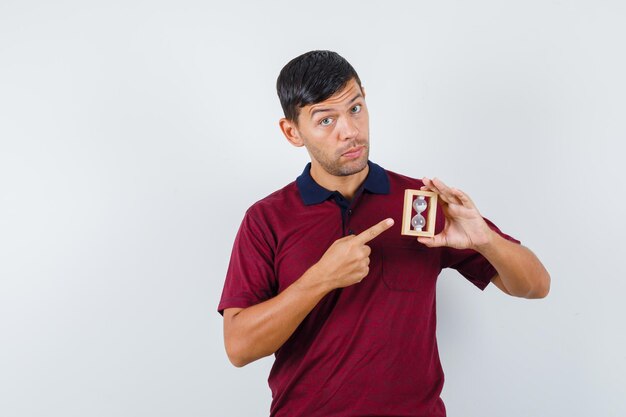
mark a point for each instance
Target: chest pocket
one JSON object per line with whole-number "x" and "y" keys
{"x": 410, "y": 268}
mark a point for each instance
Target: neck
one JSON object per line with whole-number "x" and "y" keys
{"x": 346, "y": 185}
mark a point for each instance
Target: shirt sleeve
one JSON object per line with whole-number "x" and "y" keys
{"x": 471, "y": 264}
{"x": 250, "y": 278}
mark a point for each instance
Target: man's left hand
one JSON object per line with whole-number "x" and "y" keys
{"x": 465, "y": 228}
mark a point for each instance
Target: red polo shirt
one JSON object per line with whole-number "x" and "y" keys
{"x": 366, "y": 350}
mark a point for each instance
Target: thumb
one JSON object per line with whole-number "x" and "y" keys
{"x": 432, "y": 242}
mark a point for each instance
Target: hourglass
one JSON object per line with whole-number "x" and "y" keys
{"x": 418, "y": 216}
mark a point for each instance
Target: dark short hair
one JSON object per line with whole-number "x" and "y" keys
{"x": 311, "y": 78}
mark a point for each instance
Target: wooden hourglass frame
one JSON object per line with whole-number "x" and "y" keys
{"x": 407, "y": 213}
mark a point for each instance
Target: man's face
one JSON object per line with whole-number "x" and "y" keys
{"x": 335, "y": 131}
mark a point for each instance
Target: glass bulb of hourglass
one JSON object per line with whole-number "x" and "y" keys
{"x": 418, "y": 222}
{"x": 419, "y": 204}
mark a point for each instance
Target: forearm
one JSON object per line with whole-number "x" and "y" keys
{"x": 520, "y": 271}
{"x": 259, "y": 330}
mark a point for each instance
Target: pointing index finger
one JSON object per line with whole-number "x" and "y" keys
{"x": 369, "y": 234}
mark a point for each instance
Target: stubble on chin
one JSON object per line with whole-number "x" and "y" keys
{"x": 354, "y": 167}
{"x": 334, "y": 165}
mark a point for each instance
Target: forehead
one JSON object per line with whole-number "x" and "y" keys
{"x": 341, "y": 98}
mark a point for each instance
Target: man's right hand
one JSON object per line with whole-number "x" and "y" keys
{"x": 346, "y": 261}
{"x": 259, "y": 330}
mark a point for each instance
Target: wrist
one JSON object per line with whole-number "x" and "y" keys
{"x": 487, "y": 245}
{"x": 315, "y": 280}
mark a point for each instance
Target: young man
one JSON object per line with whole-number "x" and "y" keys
{"x": 321, "y": 277}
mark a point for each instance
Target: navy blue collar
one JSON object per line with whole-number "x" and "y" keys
{"x": 313, "y": 193}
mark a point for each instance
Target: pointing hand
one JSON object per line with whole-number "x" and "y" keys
{"x": 346, "y": 261}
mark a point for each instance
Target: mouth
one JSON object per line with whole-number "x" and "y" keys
{"x": 354, "y": 153}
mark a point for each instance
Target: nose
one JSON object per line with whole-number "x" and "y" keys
{"x": 349, "y": 129}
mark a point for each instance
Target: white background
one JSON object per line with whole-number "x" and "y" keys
{"x": 134, "y": 135}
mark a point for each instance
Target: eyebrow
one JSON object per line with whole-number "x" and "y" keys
{"x": 323, "y": 110}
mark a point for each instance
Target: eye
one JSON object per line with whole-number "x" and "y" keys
{"x": 326, "y": 121}
{"x": 356, "y": 108}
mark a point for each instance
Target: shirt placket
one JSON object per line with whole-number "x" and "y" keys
{"x": 346, "y": 209}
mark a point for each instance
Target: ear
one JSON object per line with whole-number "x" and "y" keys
{"x": 291, "y": 132}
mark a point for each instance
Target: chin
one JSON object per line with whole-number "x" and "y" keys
{"x": 354, "y": 167}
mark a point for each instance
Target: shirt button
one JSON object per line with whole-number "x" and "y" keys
{"x": 349, "y": 212}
